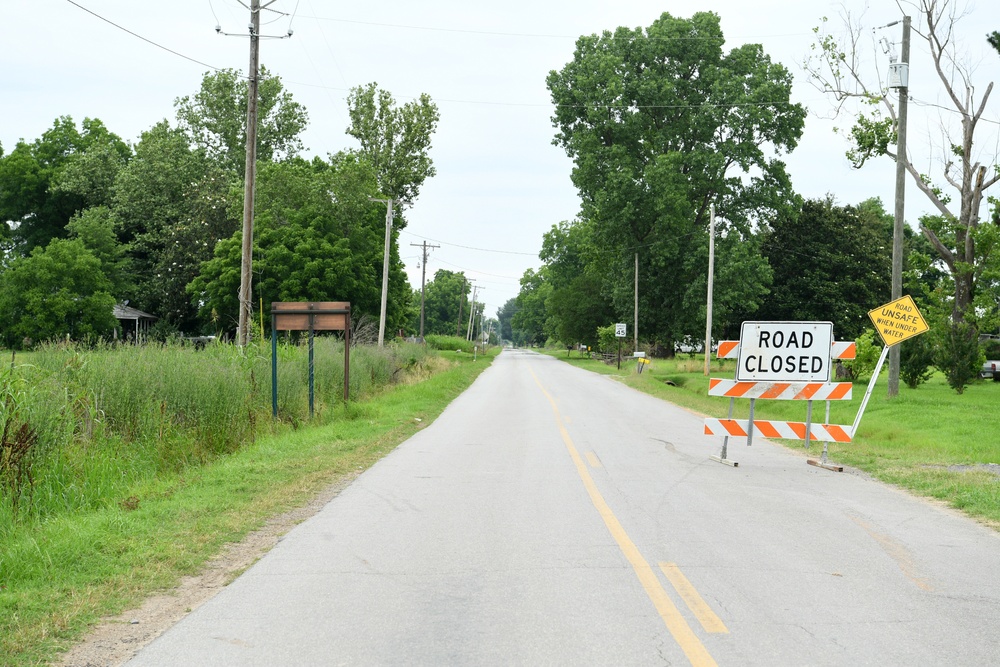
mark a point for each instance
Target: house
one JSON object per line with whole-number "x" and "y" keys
{"x": 133, "y": 322}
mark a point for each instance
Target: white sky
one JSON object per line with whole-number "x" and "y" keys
{"x": 500, "y": 183}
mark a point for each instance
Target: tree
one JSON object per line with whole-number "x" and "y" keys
{"x": 171, "y": 203}
{"x": 660, "y": 123}
{"x": 318, "y": 238}
{"x": 530, "y": 323}
{"x": 838, "y": 70}
{"x": 95, "y": 228}
{"x": 42, "y": 184}
{"x": 57, "y": 291}
{"x": 395, "y": 140}
{"x": 577, "y": 305}
{"x": 442, "y": 296}
{"x": 830, "y": 263}
{"x": 505, "y": 316}
{"x": 216, "y": 118}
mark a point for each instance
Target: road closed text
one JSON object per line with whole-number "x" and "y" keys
{"x": 783, "y": 351}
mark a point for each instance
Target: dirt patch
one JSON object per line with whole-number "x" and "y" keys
{"x": 117, "y": 639}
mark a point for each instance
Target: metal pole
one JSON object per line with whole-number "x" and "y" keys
{"x": 868, "y": 393}
{"x": 311, "y": 368}
{"x": 725, "y": 440}
{"x": 243, "y": 334}
{"x": 897, "y": 226}
{"x": 711, "y": 280}
{"x": 274, "y": 369}
{"x": 809, "y": 422}
{"x": 753, "y": 402}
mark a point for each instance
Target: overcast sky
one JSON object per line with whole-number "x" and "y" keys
{"x": 500, "y": 182}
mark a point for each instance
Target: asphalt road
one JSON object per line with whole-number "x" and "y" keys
{"x": 554, "y": 517}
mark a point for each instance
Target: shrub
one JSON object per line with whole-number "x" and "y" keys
{"x": 956, "y": 352}
{"x": 916, "y": 356}
{"x": 863, "y": 364}
{"x": 448, "y": 343}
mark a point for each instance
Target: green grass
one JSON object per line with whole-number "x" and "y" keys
{"x": 910, "y": 441}
{"x": 59, "y": 576}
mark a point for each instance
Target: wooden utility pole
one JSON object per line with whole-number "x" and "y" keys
{"x": 385, "y": 267}
{"x": 423, "y": 279}
{"x": 472, "y": 311}
{"x": 898, "y": 221}
{"x": 711, "y": 281}
{"x": 461, "y": 302}
{"x": 635, "y": 311}
{"x": 243, "y": 334}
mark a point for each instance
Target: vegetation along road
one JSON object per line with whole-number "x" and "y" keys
{"x": 555, "y": 516}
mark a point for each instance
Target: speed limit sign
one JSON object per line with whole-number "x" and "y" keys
{"x": 620, "y": 330}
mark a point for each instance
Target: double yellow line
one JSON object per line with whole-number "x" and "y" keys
{"x": 695, "y": 651}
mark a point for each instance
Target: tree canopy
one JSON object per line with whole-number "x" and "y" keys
{"x": 661, "y": 123}
{"x": 215, "y": 118}
{"x": 394, "y": 139}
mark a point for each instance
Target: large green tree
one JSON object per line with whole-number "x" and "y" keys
{"x": 394, "y": 139}
{"x": 505, "y": 317}
{"x": 56, "y": 291}
{"x": 171, "y": 204}
{"x": 530, "y": 324}
{"x": 216, "y": 118}
{"x": 577, "y": 305}
{"x": 830, "y": 263}
{"x": 443, "y": 297}
{"x": 660, "y": 123}
{"x": 317, "y": 238}
{"x": 45, "y": 182}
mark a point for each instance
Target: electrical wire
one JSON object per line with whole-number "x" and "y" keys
{"x": 145, "y": 39}
{"x": 465, "y": 247}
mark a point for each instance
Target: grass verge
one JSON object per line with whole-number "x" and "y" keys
{"x": 929, "y": 440}
{"x": 60, "y": 577}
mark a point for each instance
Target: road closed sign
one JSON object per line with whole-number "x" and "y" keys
{"x": 785, "y": 352}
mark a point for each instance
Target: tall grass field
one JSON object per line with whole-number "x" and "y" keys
{"x": 125, "y": 468}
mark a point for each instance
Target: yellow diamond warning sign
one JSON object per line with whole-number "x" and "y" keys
{"x": 898, "y": 320}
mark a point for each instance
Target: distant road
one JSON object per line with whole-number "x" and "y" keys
{"x": 552, "y": 516}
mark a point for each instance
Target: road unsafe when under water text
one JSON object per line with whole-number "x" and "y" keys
{"x": 785, "y": 352}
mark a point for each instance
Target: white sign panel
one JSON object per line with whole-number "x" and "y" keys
{"x": 620, "y": 330}
{"x": 785, "y": 352}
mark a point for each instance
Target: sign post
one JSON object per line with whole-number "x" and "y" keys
{"x": 895, "y": 322}
{"x": 619, "y": 334}
{"x": 311, "y": 317}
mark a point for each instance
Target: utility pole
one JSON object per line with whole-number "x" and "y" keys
{"x": 898, "y": 221}
{"x": 635, "y": 310}
{"x": 385, "y": 267}
{"x": 423, "y": 278}
{"x": 472, "y": 311}
{"x": 461, "y": 302}
{"x": 711, "y": 281}
{"x": 246, "y": 261}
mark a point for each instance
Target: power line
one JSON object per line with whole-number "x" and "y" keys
{"x": 145, "y": 39}
{"x": 711, "y": 38}
{"x": 465, "y": 247}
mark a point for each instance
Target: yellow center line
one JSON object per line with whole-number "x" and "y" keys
{"x": 682, "y": 633}
{"x": 708, "y": 618}
{"x": 593, "y": 460}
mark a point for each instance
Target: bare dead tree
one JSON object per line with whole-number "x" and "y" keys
{"x": 840, "y": 67}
